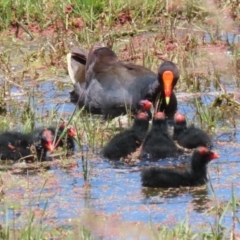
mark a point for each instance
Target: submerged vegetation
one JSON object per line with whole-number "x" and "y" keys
{"x": 201, "y": 37}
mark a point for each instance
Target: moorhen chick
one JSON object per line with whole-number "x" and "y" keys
{"x": 68, "y": 140}
{"x": 195, "y": 175}
{"x": 158, "y": 144}
{"x": 112, "y": 86}
{"x": 16, "y": 145}
{"x": 127, "y": 142}
{"x": 189, "y": 137}
{"x": 43, "y": 142}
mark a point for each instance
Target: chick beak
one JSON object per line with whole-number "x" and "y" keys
{"x": 72, "y": 132}
{"x": 214, "y": 156}
{"x": 49, "y": 145}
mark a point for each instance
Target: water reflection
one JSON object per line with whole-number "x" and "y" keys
{"x": 198, "y": 196}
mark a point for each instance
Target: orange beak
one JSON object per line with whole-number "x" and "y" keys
{"x": 49, "y": 145}
{"x": 72, "y": 132}
{"x": 167, "y": 85}
{"x": 214, "y": 155}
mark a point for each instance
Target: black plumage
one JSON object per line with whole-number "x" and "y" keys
{"x": 64, "y": 136}
{"x": 112, "y": 87}
{"x": 129, "y": 140}
{"x": 195, "y": 175}
{"x": 158, "y": 144}
{"x": 189, "y": 137}
{"x": 16, "y": 145}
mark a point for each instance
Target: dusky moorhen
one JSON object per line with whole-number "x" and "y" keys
{"x": 112, "y": 86}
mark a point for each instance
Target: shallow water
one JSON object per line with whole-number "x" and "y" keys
{"x": 115, "y": 189}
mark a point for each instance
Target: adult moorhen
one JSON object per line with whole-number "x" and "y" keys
{"x": 129, "y": 140}
{"x": 112, "y": 87}
{"x": 189, "y": 137}
{"x": 195, "y": 175}
{"x": 16, "y": 145}
{"x": 158, "y": 144}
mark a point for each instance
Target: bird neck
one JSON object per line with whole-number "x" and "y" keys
{"x": 160, "y": 125}
{"x": 140, "y": 124}
{"x": 179, "y": 128}
{"x": 198, "y": 166}
{"x": 161, "y": 95}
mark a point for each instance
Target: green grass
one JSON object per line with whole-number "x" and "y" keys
{"x": 105, "y": 11}
{"x": 175, "y": 30}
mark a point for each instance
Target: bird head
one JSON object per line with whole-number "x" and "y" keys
{"x": 47, "y": 140}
